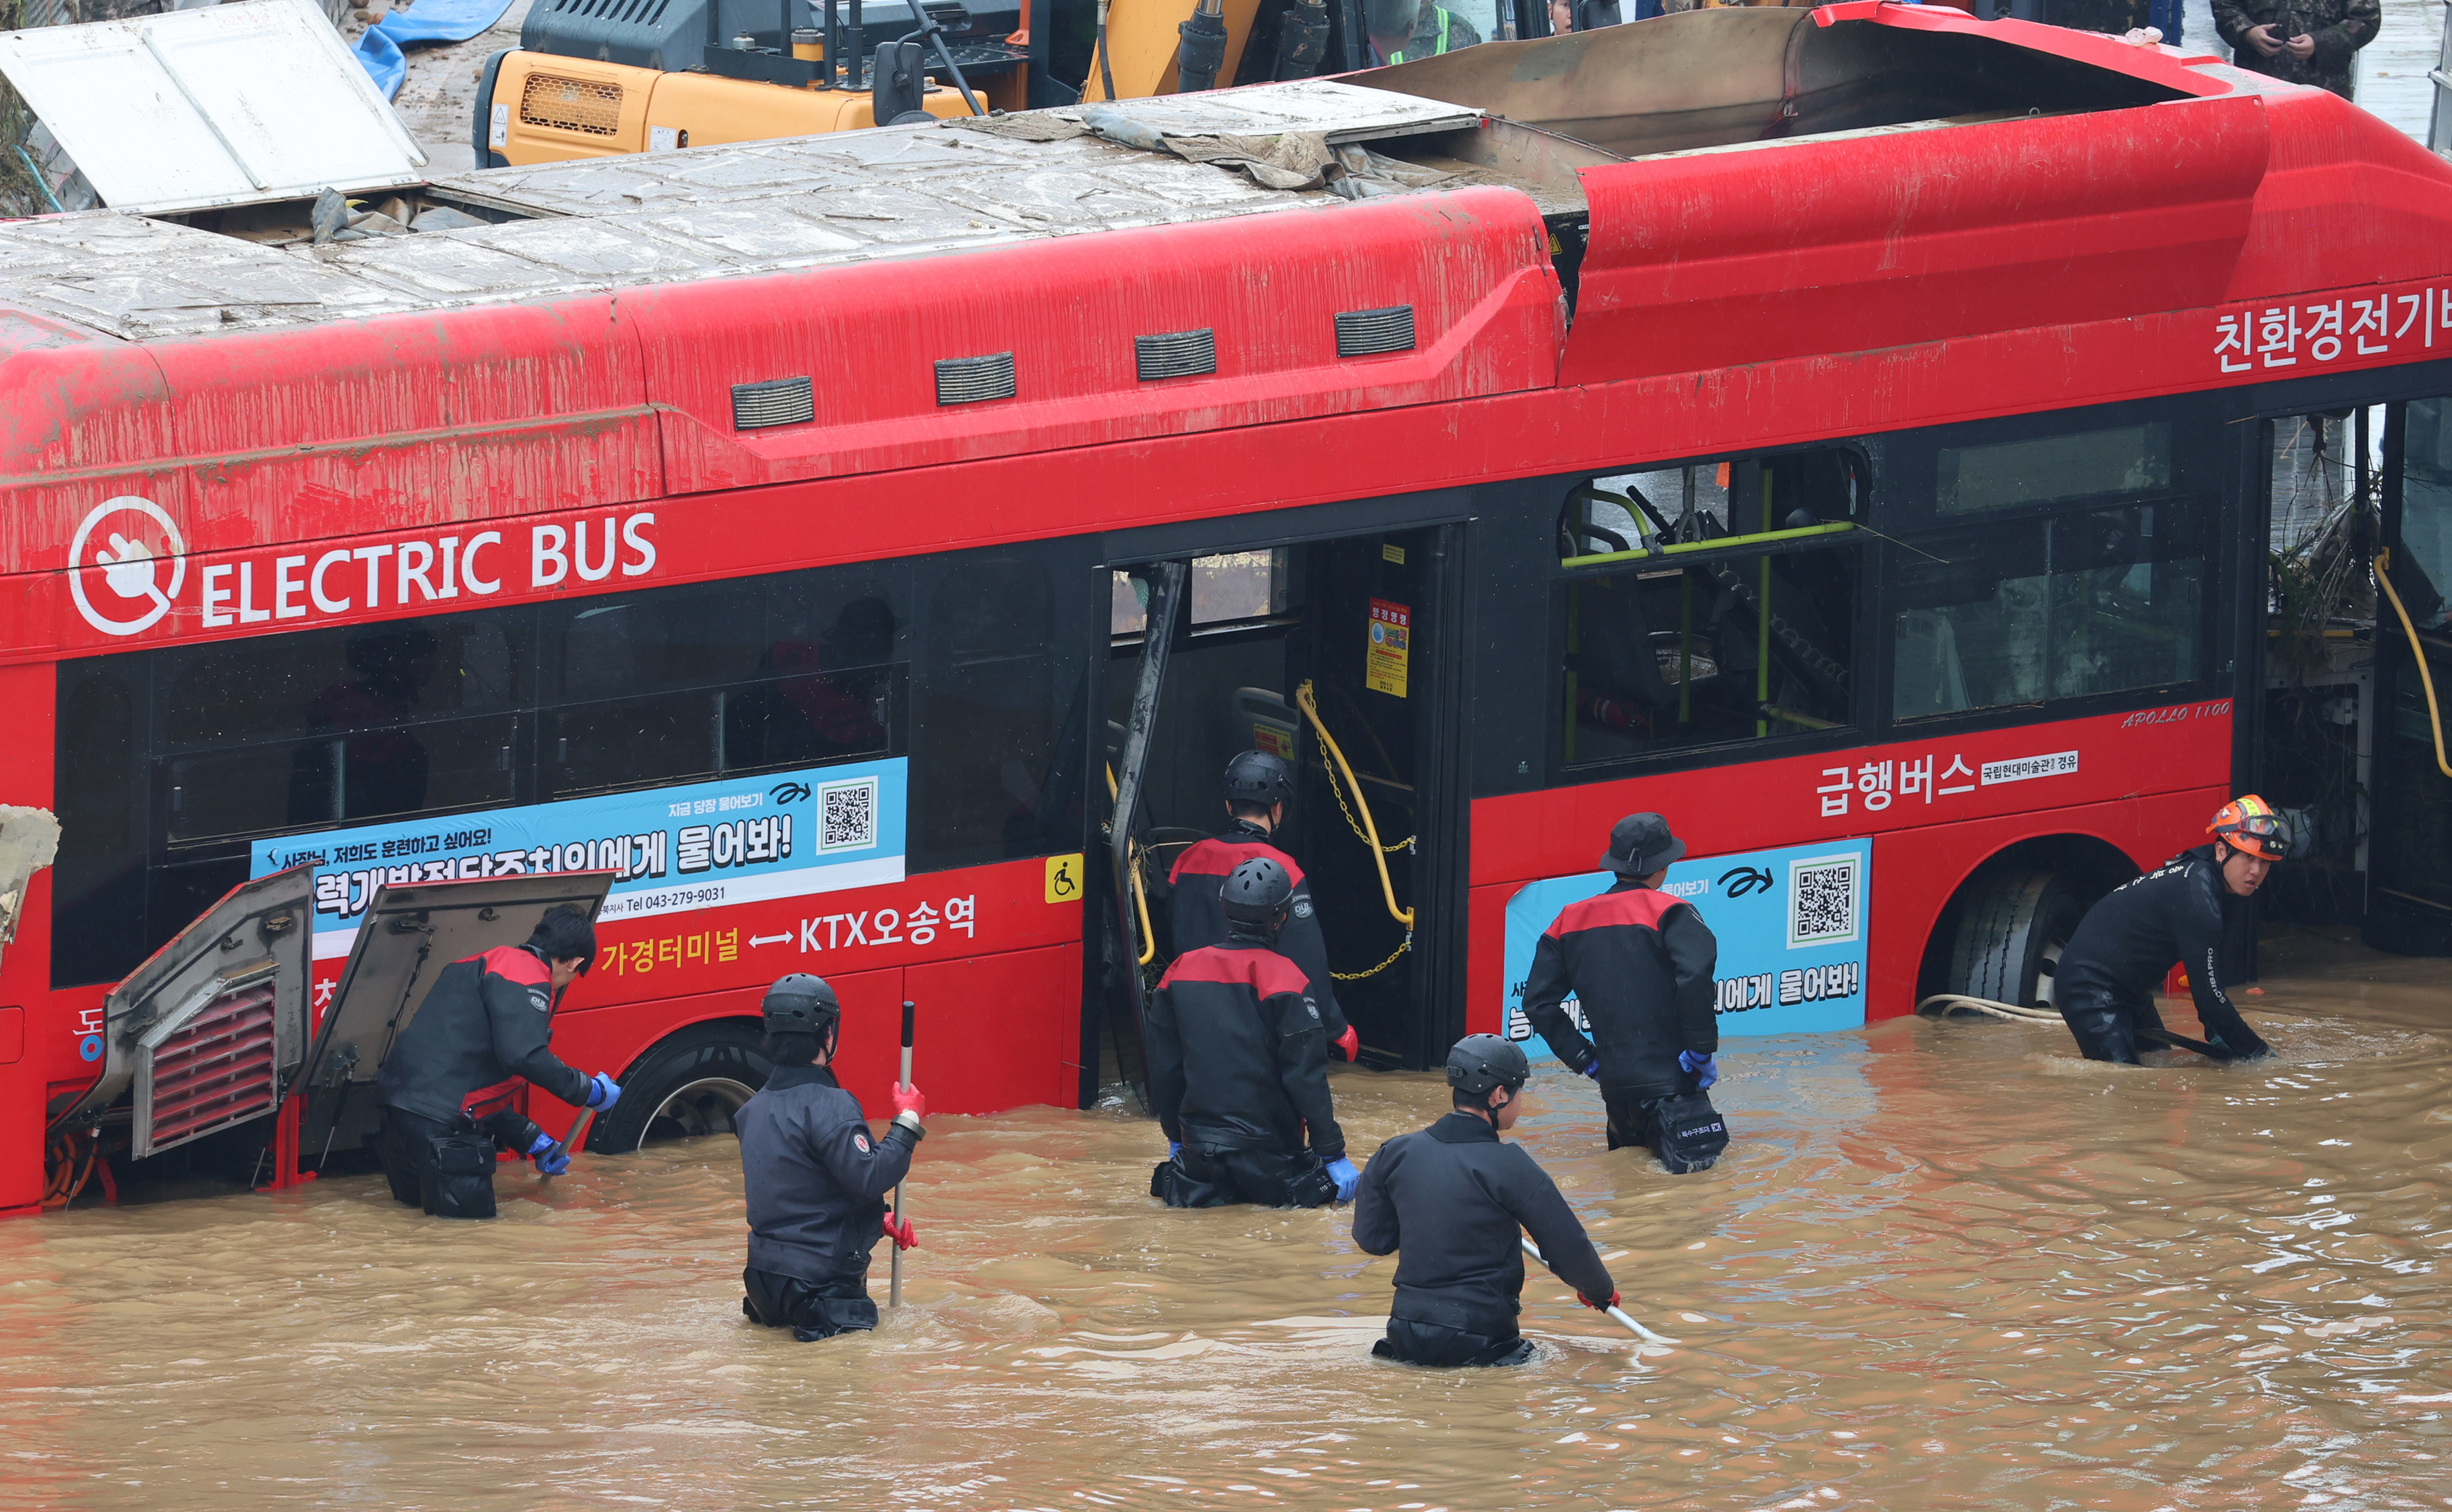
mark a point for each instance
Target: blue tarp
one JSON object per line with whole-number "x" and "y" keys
{"x": 443, "y": 20}
{"x": 424, "y": 22}
{"x": 383, "y": 60}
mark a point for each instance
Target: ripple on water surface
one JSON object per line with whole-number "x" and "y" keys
{"x": 1946, "y": 1266}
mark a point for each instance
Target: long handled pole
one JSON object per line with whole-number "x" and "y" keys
{"x": 570, "y": 1140}
{"x": 894, "y": 1295}
{"x": 1618, "y": 1314}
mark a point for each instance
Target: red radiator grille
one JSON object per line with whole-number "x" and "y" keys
{"x": 216, "y": 1070}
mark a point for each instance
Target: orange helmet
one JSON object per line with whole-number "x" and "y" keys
{"x": 2248, "y": 825}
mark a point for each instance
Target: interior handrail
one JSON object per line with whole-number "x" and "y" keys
{"x": 1378, "y": 853}
{"x": 2425, "y": 678}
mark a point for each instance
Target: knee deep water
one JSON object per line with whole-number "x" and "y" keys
{"x": 1943, "y": 1266}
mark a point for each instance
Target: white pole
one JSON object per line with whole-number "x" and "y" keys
{"x": 1618, "y": 1314}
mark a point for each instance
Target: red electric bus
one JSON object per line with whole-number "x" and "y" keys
{"x": 1844, "y": 431}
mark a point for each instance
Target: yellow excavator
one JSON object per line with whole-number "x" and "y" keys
{"x": 593, "y": 78}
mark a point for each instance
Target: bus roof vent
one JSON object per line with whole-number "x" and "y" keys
{"x": 778, "y": 401}
{"x": 971, "y": 380}
{"x": 1176, "y": 354}
{"x": 1367, "y": 333}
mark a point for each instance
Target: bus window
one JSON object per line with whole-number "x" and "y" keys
{"x": 2053, "y": 469}
{"x": 260, "y": 736}
{"x": 2425, "y": 511}
{"x": 801, "y": 670}
{"x": 98, "y": 897}
{"x": 2106, "y": 598}
{"x": 1708, "y": 603}
{"x": 1234, "y": 588}
{"x": 996, "y": 701}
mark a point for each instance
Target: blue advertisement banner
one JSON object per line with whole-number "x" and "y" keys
{"x": 702, "y": 845}
{"x": 1791, "y": 924}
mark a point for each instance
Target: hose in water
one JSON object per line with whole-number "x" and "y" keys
{"x": 1986, "y": 1005}
{"x": 2017, "y": 1013}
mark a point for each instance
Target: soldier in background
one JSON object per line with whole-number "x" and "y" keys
{"x": 2300, "y": 41}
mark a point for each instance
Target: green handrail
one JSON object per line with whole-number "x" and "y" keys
{"x": 1760, "y": 538}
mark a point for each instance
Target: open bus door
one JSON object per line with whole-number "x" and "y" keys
{"x": 2409, "y": 876}
{"x": 1341, "y": 653}
{"x": 406, "y": 935}
{"x": 209, "y": 1028}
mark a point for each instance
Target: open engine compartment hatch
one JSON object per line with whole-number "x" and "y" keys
{"x": 209, "y": 1027}
{"x": 408, "y": 934}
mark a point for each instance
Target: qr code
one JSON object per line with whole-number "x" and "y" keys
{"x": 1822, "y": 900}
{"x": 847, "y": 815}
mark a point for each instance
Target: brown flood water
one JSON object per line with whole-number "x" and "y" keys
{"x": 1947, "y": 1265}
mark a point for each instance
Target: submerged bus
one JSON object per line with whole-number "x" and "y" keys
{"x": 1843, "y": 431}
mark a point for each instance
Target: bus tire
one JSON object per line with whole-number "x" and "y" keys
{"x": 2010, "y": 935}
{"x": 688, "y": 1084}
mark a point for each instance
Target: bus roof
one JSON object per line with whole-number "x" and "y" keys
{"x": 1696, "y": 81}
{"x": 709, "y": 212}
{"x": 1739, "y": 228}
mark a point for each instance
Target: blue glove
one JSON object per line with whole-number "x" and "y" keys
{"x": 602, "y": 1090}
{"x": 1592, "y": 1068}
{"x": 550, "y": 1157}
{"x": 1702, "y": 1067}
{"x": 1341, "y": 1172}
{"x": 1175, "y": 1149}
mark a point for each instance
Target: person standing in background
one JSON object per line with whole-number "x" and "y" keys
{"x": 2314, "y": 42}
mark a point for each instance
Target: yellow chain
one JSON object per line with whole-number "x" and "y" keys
{"x": 1356, "y": 976}
{"x": 1338, "y": 791}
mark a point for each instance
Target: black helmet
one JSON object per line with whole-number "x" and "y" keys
{"x": 1255, "y": 895}
{"x": 1480, "y": 1062}
{"x": 1256, "y": 777}
{"x": 799, "y": 1004}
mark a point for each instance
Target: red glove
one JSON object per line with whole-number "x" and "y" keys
{"x": 903, "y": 1237}
{"x": 1350, "y": 1042}
{"x": 908, "y": 1100}
{"x": 1598, "y": 1307}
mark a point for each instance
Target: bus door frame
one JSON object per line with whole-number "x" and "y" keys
{"x": 1440, "y": 675}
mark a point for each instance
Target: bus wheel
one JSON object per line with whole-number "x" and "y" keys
{"x": 2010, "y": 935}
{"x": 689, "y": 1085}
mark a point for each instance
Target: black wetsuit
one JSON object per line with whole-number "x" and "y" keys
{"x": 816, "y": 1184}
{"x": 1451, "y": 1201}
{"x": 1641, "y": 964}
{"x": 1239, "y": 1076}
{"x": 446, "y": 1088}
{"x": 1197, "y": 918}
{"x": 2179, "y": 913}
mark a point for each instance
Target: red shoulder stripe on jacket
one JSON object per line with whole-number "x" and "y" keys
{"x": 1643, "y": 907}
{"x": 1263, "y": 970}
{"x": 1215, "y": 857}
{"x": 517, "y": 964}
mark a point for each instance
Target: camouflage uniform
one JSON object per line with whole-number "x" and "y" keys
{"x": 2341, "y": 28}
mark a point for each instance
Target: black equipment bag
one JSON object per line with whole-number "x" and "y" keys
{"x": 1692, "y": 1135}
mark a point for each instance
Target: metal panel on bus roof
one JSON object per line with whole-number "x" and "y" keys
{"x": 407, "y": 936}
{"x": 223, "y": 106}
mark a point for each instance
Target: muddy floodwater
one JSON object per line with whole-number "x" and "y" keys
{"x": 1948, "y": 1264}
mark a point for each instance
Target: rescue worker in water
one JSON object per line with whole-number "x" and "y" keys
{"x": 447, "y": 1087}
{"x": 1448, "y": 1202}
{"x": 816, "y": 1181}
{"x": 1237, "y": 1073}
{"x": 1641, "y": 963}
{"x": 1259, "y": 786}
{"x": 2181, "y": 911}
